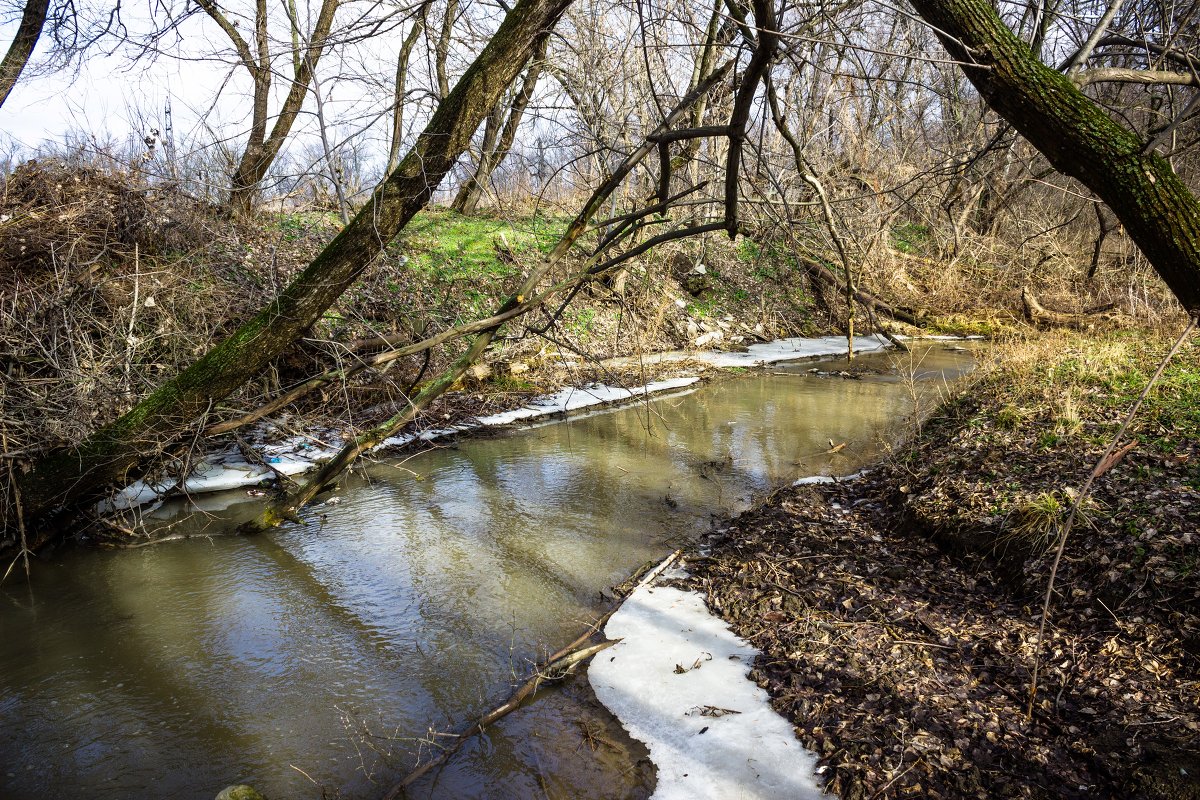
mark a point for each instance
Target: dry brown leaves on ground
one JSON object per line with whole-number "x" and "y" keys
{"x": 907, "y": 669}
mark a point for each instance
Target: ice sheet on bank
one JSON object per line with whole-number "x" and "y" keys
{"x": 757, "y": 355}
{"x": 217, "y": 473}
{"x": 816, "y": 479}
{"x": 791, "y": 350}
{"x": 574, "y": 398}
{"x": 674, "y": 681}
{"x": 220, "y": 472}
{"x": 569, "y": 399}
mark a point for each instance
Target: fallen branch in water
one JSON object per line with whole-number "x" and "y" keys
{"x": 556, "y": 667}
{"x": 553, "y": 670}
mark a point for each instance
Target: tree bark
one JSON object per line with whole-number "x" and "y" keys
{"x": 1079, "y": 138}
{"x": 402, "y": 59}
{"x": 110, "y": 456}
{"x": 21, "y": 49}
{"x": 442, "y": 49}
{"x": 491, "y": 131}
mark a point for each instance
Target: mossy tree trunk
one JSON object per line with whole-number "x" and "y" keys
{"x": 1078, "y": 137}
{"x": 33, "y": 19}
{"x": 111, "y": 456}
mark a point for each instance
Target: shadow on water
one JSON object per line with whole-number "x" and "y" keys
{"x": 321, "y": 656}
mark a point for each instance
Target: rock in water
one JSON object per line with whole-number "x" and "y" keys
{"x": 240, "y": 792}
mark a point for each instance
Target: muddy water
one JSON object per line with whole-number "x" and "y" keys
{"x": 319, "y": 658}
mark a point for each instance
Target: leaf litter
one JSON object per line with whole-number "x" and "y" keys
{"x": 897, "y": 614}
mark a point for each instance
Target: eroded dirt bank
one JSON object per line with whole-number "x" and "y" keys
{"x": 898, "y": 613}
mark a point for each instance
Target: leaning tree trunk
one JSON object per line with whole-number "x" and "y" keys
{"x": 110, "y": 456}
{"x": 19, "y": 52}
{"x": 1078, "y": 137}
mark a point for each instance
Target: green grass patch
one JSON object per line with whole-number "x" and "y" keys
{"x": 1069, "y": 379}
{"x": 452, "y": 247}
{"x": 295, "y": 225}
{"x": 910, "y": 238}
{"x": 580, "y": 322}
{"x": 748, "y": 250}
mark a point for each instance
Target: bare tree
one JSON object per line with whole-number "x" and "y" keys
{"x": 262, "y": 148}
{"x": 492, "y": 152}
{"x": 400, "y": 95}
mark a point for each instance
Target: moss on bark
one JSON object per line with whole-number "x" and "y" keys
{"x": 1079, "y": 138}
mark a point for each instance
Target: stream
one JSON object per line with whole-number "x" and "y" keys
{"x": 320, "y": 658}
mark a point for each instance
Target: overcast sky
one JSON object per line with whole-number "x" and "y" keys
{"x": 108, "y": 95}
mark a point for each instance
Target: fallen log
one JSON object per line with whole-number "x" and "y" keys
{"x": 1041, "y": 317}
{"x": 873, "y": 303}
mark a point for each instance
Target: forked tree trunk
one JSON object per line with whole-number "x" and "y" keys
{"x": 111, "y": 455}
{"x": 491, "y": 131}
{"x": 1078, "y": 137}
{"x": 261, "y": 149}
{"x": 19, "y": 52}
{"x": 492, "y": 155}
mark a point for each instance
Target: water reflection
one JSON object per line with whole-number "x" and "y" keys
{"x": 320, "y": 656}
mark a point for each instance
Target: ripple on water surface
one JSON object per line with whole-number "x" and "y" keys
{"x": 183, "y": 667}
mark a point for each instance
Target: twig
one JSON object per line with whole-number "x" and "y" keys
{"x": 1102, "y": 465}
{"x": 16, "y": 492}
{"x": 556, "y": 666}
{"x": 554, "y": 669}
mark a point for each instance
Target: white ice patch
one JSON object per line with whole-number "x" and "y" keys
{"x": 790, "y": 350}
{"x": 135, "y": 494}
{"x": 758, "y": 355}
{"x": 673, "y": 681}
{"x": 230, "y": 470}
{"x": 816, "y": 479}
{"x": 217, "y": 473}
{"x": 574, "y": 398}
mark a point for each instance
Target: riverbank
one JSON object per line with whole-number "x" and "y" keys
{"x": 898, "y": 613}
